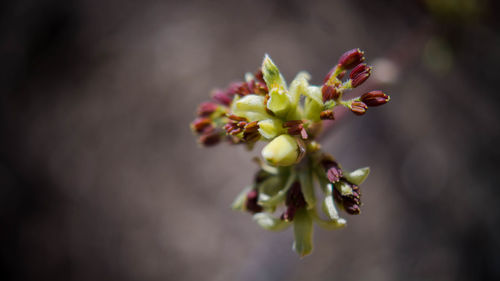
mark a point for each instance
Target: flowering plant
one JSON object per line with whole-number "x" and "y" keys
{"x": 289, "y": 118}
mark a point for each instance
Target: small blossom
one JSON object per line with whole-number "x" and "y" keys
{"x": 374, "y": 98}
{"x": 201, "y": 124}
{"x": 348, "y": 196}
{"x": 360, "y": 74}
{"x": 281, "y": 151}
{"x": 329, "y": 93}
{"x": 210, "y": 137}
{"x": 332, "y": 169}
{"x": 351, "y": 58}
{"x": 358, "y": 107}
{"x": 296, "y": 174}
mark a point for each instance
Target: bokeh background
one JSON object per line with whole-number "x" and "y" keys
{"x": 101, "y": 178}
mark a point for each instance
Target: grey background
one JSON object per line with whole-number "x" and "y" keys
{"x": 101, "y": 178}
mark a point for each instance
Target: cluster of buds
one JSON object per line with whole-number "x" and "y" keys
{"x": 289, "y": 118}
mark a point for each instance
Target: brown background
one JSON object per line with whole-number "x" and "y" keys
{"x": 101, "y": 178}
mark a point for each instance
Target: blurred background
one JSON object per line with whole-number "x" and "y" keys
{"x": 102, "y": 179}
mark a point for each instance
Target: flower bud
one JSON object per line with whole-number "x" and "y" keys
{"x": 358, "y": 107}
{"x": 327, "y": 115}
{"x": 351, "y": 58}
{"x": 360, "y": 79}
{"x": 200, "y": 124}
{"x": 270, "y": 128}
{"x": 222, "y": 97}
{"x": 251, "y": 203}
{"x": 348, "y": 196}
{"x": 359, "y": 69}
{"x": 281, "y": 151}
{"x": 251, "y": 107}
{"x": 329, "y": 93}
{"x": 374, "y": 98}
{"x": 206, "y": 108}
{"x": 332, "y": 168}
{"x": 210, "y": 137}
{"x": 279, "y": 102}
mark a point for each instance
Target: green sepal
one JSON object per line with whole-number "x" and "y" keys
{"x": 299, "y": 86}
{"x": 358, "y": 176}
{"x": 312, "y": 109}
{"x": 251, "y": 107}
{"x": 239, "y": 201}
{"x": 328, "y": 207}
{"x": 279, "y": 102}
{"x": 279, "y": 197}
{"x": 303, "y": 231}
{"x": 269, "y": 222}
{"x": 270, "y": 128}
{"x": 327, "y": 224}
{"x": 271, "y": 74}
{"x": 270, "y": 186}
{"x": 314, "y": 93}
{"x": 343, "y": 188}
{"x": 307, "y": 188}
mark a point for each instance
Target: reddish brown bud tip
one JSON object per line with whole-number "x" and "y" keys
{"x": 200, "y": 124}
{"x": 206, "y": 108}
{"x": 236, "y": 118}
{"x": 329, "y": 93}
{"x": 327, "y": 115}
{"x": 359, "y": 74}
{"x": 359, "y": 69}
{"x": 358, "y": 108}
{"x": 329, "y": 75}
{"x": 352, "y": 208}
{"x": 332, "y": 169}
{"x": 374, "y": 98}
{"x": 341, "y": 75}
{"x": 260, "y": 76}
{"x": 210, "y": 138}
{"x": 222, "y": 97}
{"x": 251, "y": 203}
{"x": 360, "y": 79}
{"x": 351, "y": 58}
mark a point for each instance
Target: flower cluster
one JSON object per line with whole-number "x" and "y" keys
{"x": 289, "y": 118}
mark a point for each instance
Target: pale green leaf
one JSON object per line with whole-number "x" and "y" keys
{"x": 269, "y": 222}
{"x": 358, "y": 176}
{"x": 307, "y": 188}
{"x": 271, "y": 74}
{"x": 239, "y": 201}
{"x": 303, "y": 231}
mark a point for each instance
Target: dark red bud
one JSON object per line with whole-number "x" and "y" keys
{"x": 341, "y": 75}
{"x": 360, "y": 79}
{"x": 351, "y": 58}
{"x": 251, "y": 203}
{"x": 222, "y": 97}
{"x": 358, "y": 108}
{"x": 329, "y": 93}
{"x": 374, "y": 98}
{"x": 206, "y": 108}
{"x": 359, "y": 69}
{"x": 236, "y": 117}
{"x": 200, "y": 124}
{"x": 259, "y": 76}
{"x": 210, "y": 138}
{"x": 351, "y": 208}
